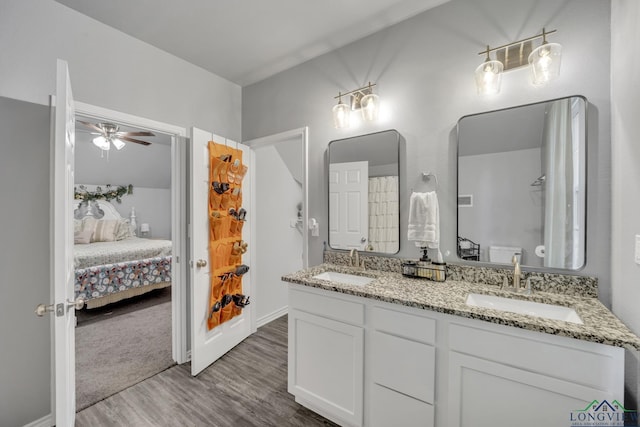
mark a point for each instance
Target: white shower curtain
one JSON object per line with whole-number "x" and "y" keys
{"x": 559, "y": 221}
{"x": 384, "y": 224}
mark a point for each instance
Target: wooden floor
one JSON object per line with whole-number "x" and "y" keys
{"x": 246, "y": 387}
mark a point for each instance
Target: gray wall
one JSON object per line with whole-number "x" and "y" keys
{"x": 109, "y": 69}
{"x": 625, "y": 111}
{"x": 148, "y": 169}
{"x": 25, "y": 362}
{"x": 506, "y": 210}
{"x": 424, "y": 69}
{"x": 142, "y": 81}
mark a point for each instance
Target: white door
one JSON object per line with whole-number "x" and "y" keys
{"x": 349, "y": 205}
{"x": 62, "y": 254}
{"x": 207, "y": 346}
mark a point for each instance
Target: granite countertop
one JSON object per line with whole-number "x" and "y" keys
{"x": 600, "y": 325}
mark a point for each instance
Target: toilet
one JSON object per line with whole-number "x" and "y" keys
{"x": 504, "y": 254}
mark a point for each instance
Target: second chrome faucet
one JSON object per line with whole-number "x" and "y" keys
{"x": 354, "y": 259}
{"x": 516, "y": 281}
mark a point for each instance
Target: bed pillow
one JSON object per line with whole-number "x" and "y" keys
{"x": 77, "y": 225}
{"x": 82, "y": 237}
{"x": 89, "y": 224}
{"x": 105, "y": 230}
{"x": 123, "y": 229}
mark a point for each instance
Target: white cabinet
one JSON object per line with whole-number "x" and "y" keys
{"x": 326, "y": 356}
{"x": 401, "y": 361}
{"x": 502, "y": 376}
{"x": 359, "y": 361}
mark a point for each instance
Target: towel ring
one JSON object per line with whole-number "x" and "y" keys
{"x": 427, "y": 176}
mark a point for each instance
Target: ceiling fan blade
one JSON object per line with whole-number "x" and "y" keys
{"x": 137, "y": 141}
{"x": 91, "y": 126}
{"x": 142, "y": 133}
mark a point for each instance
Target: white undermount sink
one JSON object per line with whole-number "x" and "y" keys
{"x": 348, "y": 279}
{"x": 537, "y": 309}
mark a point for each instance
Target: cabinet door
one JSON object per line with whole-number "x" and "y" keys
{"x": 484, "y": 393}
{"x": 326, "y": 364}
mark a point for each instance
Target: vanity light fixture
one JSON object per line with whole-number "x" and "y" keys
{"x": 362, "y": 99}
{"x": 341, "y": 113}
{"x": 489, "y": 76}
{"x": 544, "y": 62}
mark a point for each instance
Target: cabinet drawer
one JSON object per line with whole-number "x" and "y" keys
{"x": 406, "y": 325}
{"x": 327, "y": 306}
{"x": 403, "y": 365}
{"x": 590, "y": 364}
{"x": 389, "y": 408}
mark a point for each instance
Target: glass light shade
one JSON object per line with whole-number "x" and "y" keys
{"x": 489, "y": 77}
{"x": 101, "y": 142}
{"x": 545, "y": 62}
{"x": 341, "y": 113}
{"x": 370, "y": 106}
{"x": 119, "y": 144}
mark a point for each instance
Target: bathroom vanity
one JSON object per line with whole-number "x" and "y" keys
{"x": 405, "y": 352}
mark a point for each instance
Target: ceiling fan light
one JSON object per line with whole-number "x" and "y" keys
{"x": 101, "y": 142}
{"x": 118, "y": 143}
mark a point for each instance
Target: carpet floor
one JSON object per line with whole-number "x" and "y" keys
{"x": 117, "y": 352}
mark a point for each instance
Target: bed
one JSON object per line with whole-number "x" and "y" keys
{"x": 111, "y": 263}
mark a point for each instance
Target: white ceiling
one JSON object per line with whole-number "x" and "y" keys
{"x": 246, "y": 41}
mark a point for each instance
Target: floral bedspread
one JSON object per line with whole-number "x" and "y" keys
{"x": 101, "y": 280}
{"x": 133, "y": 248}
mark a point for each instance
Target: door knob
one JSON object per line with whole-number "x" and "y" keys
{"x": 201, "y": 263}
{"x": 364, "y": 239}
{"x": 77, "y": 304}
{"x": 42, "y": 309}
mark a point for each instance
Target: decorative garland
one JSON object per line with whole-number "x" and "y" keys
{"x": 81, "y": 193}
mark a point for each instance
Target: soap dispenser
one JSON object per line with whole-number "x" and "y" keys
{"x": 424, "y": 265}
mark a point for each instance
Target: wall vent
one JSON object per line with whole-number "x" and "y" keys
{"x": 465, "y": 201}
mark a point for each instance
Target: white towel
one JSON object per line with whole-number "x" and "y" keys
{"x": 424, "y": 220}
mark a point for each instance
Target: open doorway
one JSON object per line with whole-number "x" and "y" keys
{"x": 126, "y": 245}
{"x": 281, "y": 201}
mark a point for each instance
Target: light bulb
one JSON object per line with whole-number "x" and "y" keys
{"x": 489, "y": 77}
{"x": 119, "y": 144}
{"x": 101, "y": 142}
{"x": 370, "y": 105}
{"x": 341, "y": 113}
{"x": 545, "y": 62}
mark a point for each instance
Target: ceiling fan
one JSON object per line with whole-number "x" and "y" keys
{"x": 109, "y": 133}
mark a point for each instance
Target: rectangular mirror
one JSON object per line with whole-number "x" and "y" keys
{"x": 364, "y": 185}
{"x": 522, "y": 185}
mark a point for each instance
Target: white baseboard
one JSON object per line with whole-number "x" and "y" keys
{"x": 272, "y": 316}
{"x": 46, "y": 421}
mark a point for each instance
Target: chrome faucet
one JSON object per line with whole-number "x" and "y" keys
{"x": 516, "y": 277}
{"x": 516, "y": 272}
{"x": 354, "y": 259}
